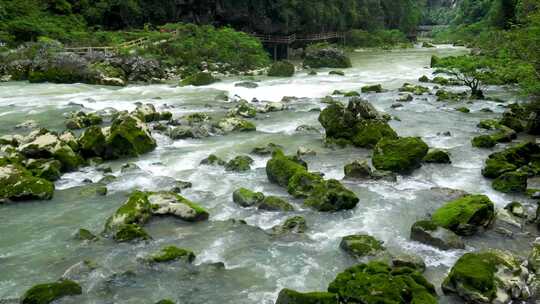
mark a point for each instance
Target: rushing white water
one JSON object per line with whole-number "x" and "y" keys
{"x": 36, "y": 237}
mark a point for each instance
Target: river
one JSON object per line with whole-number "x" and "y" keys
{"x": 36, "y": 238}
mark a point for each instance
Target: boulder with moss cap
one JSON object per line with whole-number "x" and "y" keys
{"x": 376, "y": 282}
{"x": 171, "y": 254}
{"x": 465, "y": 215}
{"x": 128, "y": 136}
{"x": 491, "y": 276}
{"x": 18, "y": 184}
{"x": 401, "y": 155}
{"x": 247, "y": 198}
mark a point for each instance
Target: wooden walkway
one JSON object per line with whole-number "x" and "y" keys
{"x": 265, "y": 39}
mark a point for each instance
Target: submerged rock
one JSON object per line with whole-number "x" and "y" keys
{"x": 429, "y": 233}
{"x": 488, "y": 277}
{"x": 360, "y": 245}
{"x": 199, "y": 79}
{"x": 213, "y": 160}
{"x": 376, "y": 88}
{"x": 49, "y": 292}
{"x": 376, "y": 282}
{"x": 401, "y": 155}
{"x": 288, "y": 296}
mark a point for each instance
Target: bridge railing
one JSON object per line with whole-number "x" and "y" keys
{"x": 281, "y": 39}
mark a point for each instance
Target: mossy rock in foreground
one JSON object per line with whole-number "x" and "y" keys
{"x": 465, "y": 215}
{"x": 476, "y": 279}
{"x": 173, "y": 253}
{"x": 401, "y": 155}
{"x": 280, "y": 168}
{"x": 376, "y": 282}
{"x": 281, "y": 69}
{"x": 18, "y": 184}
{"x": 48, "y": 292}
{"x": 331, "y": 196}
{"x": 361, "y": 245}
{"x": 288, "y": 296}
{"x": 274, "y": 203}
{"x": 437, "y": 156}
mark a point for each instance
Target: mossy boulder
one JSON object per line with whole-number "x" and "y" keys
{"x": 231, "y": 124}
{"x": 376, "y": 282}
{"x": 281, "y": 69}
{"x": 437, "y": 156}
{"x": 358, "y": 170}
{"x": 18, "y": 184}
{"x": 49, "y": 169}
{"x": 49, "y": 292}
{"x": 337, "y": 73}
{"x": 199, "y": 79}
{"x": 171, "y": 254}
{"x": 247, "y": 198}
{"x": 488, "y": 124}
{"x": 325, "y": 56}
{"x": 351, "y": 94}
{"x": 370, "y": 132}
{"x": 136, "y": 210}
{"x": 511, "y": 182}
{"x": 295, "y": 224}
{"x": 45, "y": 144}
{"x": 266, "y": 150}
{"x": 376, "y": 88}
{"x": 243, "y": 109}
{"x": 280, "y": 168}
{"x": 463, "y": 110}
{"x": 302, "y": 184}
{"x": 401, "y": 155}
{"x": 240, "y": 163}
{"x": 429, "y": 233}
{"x": 274, "y": 203}
{"x": 81, "y": 120}
{"x": 466, "y": 214}
{"x": 85, "y": 235}
{"x": 487, "y": 277}
{"x": 359, "y": 123}
{"x": 92, "y": 142}
{"x": 483, "y": 141}
{"x": 424, "y": 78}
{"x": 288, "y": 296}
{"x": 361, "y": 245}
{"x": 128, "y": 136}
{"x": 173, "y": 204}
{"x": 130, "y": 233}
{"x": 147, "y": 113}
{"x": 511, "y": 159}
{"x": 331, "y": 196}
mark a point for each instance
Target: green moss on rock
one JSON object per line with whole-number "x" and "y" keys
{"x": 274, "y": 203}
{"x": 92, "y": 142}
{"x": 361, "y": 245}
{"x": 130, "y": 232}
{"x": 18, "y": 184}
{"x": 288, "y": 296}
{"x": 376, "y": 88}
{"x": 483, "y": 141}
{"x": 370, "y": 132}
{"x": 376, "y": 282}
{"x": 49, "y": 292}
{"x": 330, "y": 196}
{"x": 437, "y": 156}
{"x": 173, "y": 253}
{"x": 399, "y": 155}
{"x": 511, "y": 182}
{"x": 465, "y": 215}
{"x": 247, "y": 198}
{"x": 129, "y": 136}
{"x": 280, "y": 168}
{"x": 239, "y": 164}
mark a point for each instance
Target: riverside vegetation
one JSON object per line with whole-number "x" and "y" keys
{"x": 194, "y": 169}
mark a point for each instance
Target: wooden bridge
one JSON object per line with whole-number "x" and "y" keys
{"x": 274, "y": 41}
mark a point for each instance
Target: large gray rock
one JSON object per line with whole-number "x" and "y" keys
{"x": 428, "y": 233}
